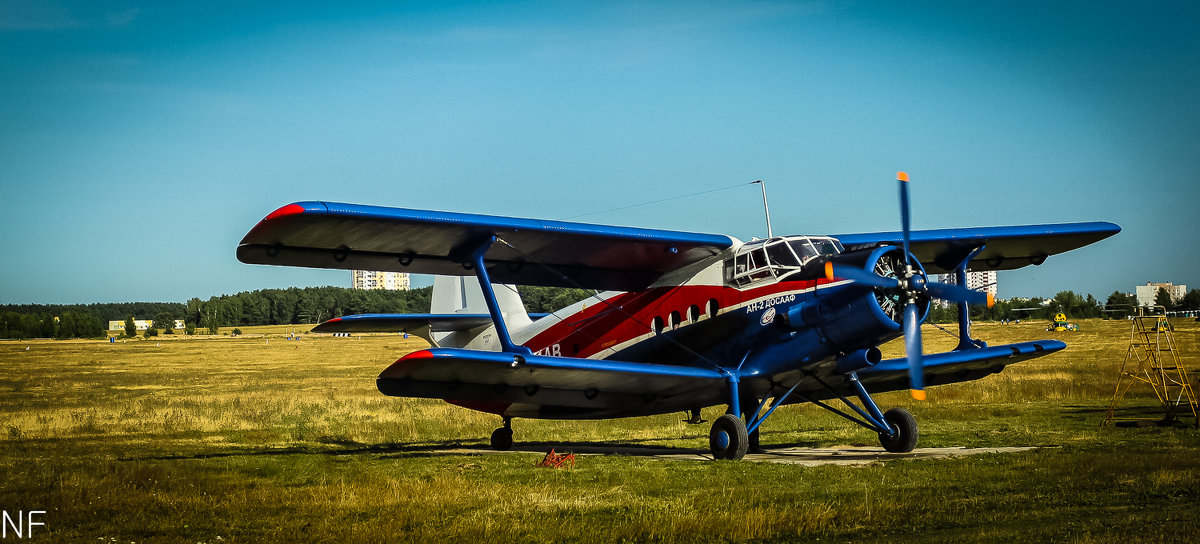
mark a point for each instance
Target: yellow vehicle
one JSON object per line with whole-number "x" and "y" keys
{"x": 1060, "y": 324}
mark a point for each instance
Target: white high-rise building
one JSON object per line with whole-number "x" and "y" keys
{"x": 1147, "y": 293}
{"x": 370, "y": 279}
{"x": 984, "y": 280}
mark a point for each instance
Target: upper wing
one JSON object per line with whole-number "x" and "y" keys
{"x": 1005, "y": 248}
{"x": 533, "y": 252}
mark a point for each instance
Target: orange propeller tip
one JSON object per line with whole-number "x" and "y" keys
{"x": 829, "y": 270}
{"x": 902, "y": 176}
{"x": 918, "y": 394}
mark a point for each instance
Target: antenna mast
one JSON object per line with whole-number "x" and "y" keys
{"x": 762, "y": 184}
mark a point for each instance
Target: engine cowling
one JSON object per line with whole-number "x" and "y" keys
{"x": 856, "y": 316}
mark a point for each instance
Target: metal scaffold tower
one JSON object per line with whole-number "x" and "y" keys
{"x": 1152, "y": 358}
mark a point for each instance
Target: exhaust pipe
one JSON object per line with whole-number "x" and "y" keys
{"x": 858, "y": 360}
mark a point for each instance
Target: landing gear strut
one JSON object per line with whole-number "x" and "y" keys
{"x": 502, "y": 437}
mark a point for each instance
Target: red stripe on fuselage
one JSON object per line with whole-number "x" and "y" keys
{"x": 630, "y": 315}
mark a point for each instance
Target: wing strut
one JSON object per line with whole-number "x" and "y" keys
{"x": 471, "y": 255}
{"x": 964, "y": 315}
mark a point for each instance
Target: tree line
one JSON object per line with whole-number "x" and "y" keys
{"x": 1074, "y": 305}
{"x": 316, "y": 304}
{"x": 262, "y": 307}
{"x": 297, "y": 305}
{"x": 293, "y": 305}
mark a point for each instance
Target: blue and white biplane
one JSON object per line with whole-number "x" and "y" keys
{"x": 679, "y": 321}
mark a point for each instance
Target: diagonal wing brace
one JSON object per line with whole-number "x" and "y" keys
{"x": 471, "y": 255}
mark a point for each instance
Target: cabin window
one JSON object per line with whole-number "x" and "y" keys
{"x": 804, "y": 249}
{"x": 775, "y": 258}
{"x": 693, "y": 313}
{"x": 658, "y": 325}
{"x": 713, "y": 307}
{"x": 781, "y": 255}
{"x": 675, "y": 319}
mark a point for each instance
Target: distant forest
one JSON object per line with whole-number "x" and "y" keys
{"x": 294, "y": 305}
{"x": 310, "y": 305}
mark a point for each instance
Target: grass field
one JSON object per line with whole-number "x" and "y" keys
{"x": 259, "y": 438}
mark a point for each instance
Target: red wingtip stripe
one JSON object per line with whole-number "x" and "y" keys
{"x": 423, "y": 354}
{"x": 290, "y": 209}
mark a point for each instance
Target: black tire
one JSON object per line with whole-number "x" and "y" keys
{"x": 728, "y": 439}
{"x": 502, "y": 439}
{"x": 904, "y": 425}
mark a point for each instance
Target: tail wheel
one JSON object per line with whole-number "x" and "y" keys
{"x": 728, "y": 438}
{"x": 904, "y": 429}
{"x": 502, "y": 439}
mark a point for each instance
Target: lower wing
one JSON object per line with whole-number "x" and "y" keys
{"x": 570, "y": 388}
{"x": 955, "y": 366}
{"x": 538, "y": 386}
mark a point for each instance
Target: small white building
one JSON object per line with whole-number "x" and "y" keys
{"x": 139, "y": 324}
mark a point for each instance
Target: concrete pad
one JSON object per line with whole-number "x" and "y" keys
{"x": 849, "y": 455}
{"x": 836, "y": 455}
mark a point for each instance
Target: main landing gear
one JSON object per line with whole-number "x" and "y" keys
{"x": 731, "y": 438}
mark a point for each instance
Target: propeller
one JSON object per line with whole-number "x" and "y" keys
{"x": 911, "y": 285}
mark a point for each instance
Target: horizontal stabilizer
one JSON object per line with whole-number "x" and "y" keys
{"x": 404, "y": 322}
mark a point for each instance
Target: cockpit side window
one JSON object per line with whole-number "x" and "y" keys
{"x": 826, "y": 246}
{"x": 804, "y": 249}
{"x": 781, "y": 255}
{"x": 759, "y": 266}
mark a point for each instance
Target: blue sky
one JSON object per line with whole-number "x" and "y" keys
{"x": 140, "y": 141}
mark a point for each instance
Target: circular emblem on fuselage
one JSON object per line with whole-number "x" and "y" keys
{"x": 767, "y": 317}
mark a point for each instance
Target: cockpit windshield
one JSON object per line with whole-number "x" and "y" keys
{"x": 776, "y": 257}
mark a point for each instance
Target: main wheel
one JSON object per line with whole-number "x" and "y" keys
{"x": 728, "y": 439}
{"x": 904, "y": 425}
{"x": 502, "y": 439}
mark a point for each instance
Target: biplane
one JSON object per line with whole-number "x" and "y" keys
{"x": 678, "y": 321}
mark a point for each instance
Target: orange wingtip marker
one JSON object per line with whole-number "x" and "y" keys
{"x": 918, "y": 394}
{"x": 902, "y": 176}
{"x": 828, "y": 270}
{"x": 991, "y": 299}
